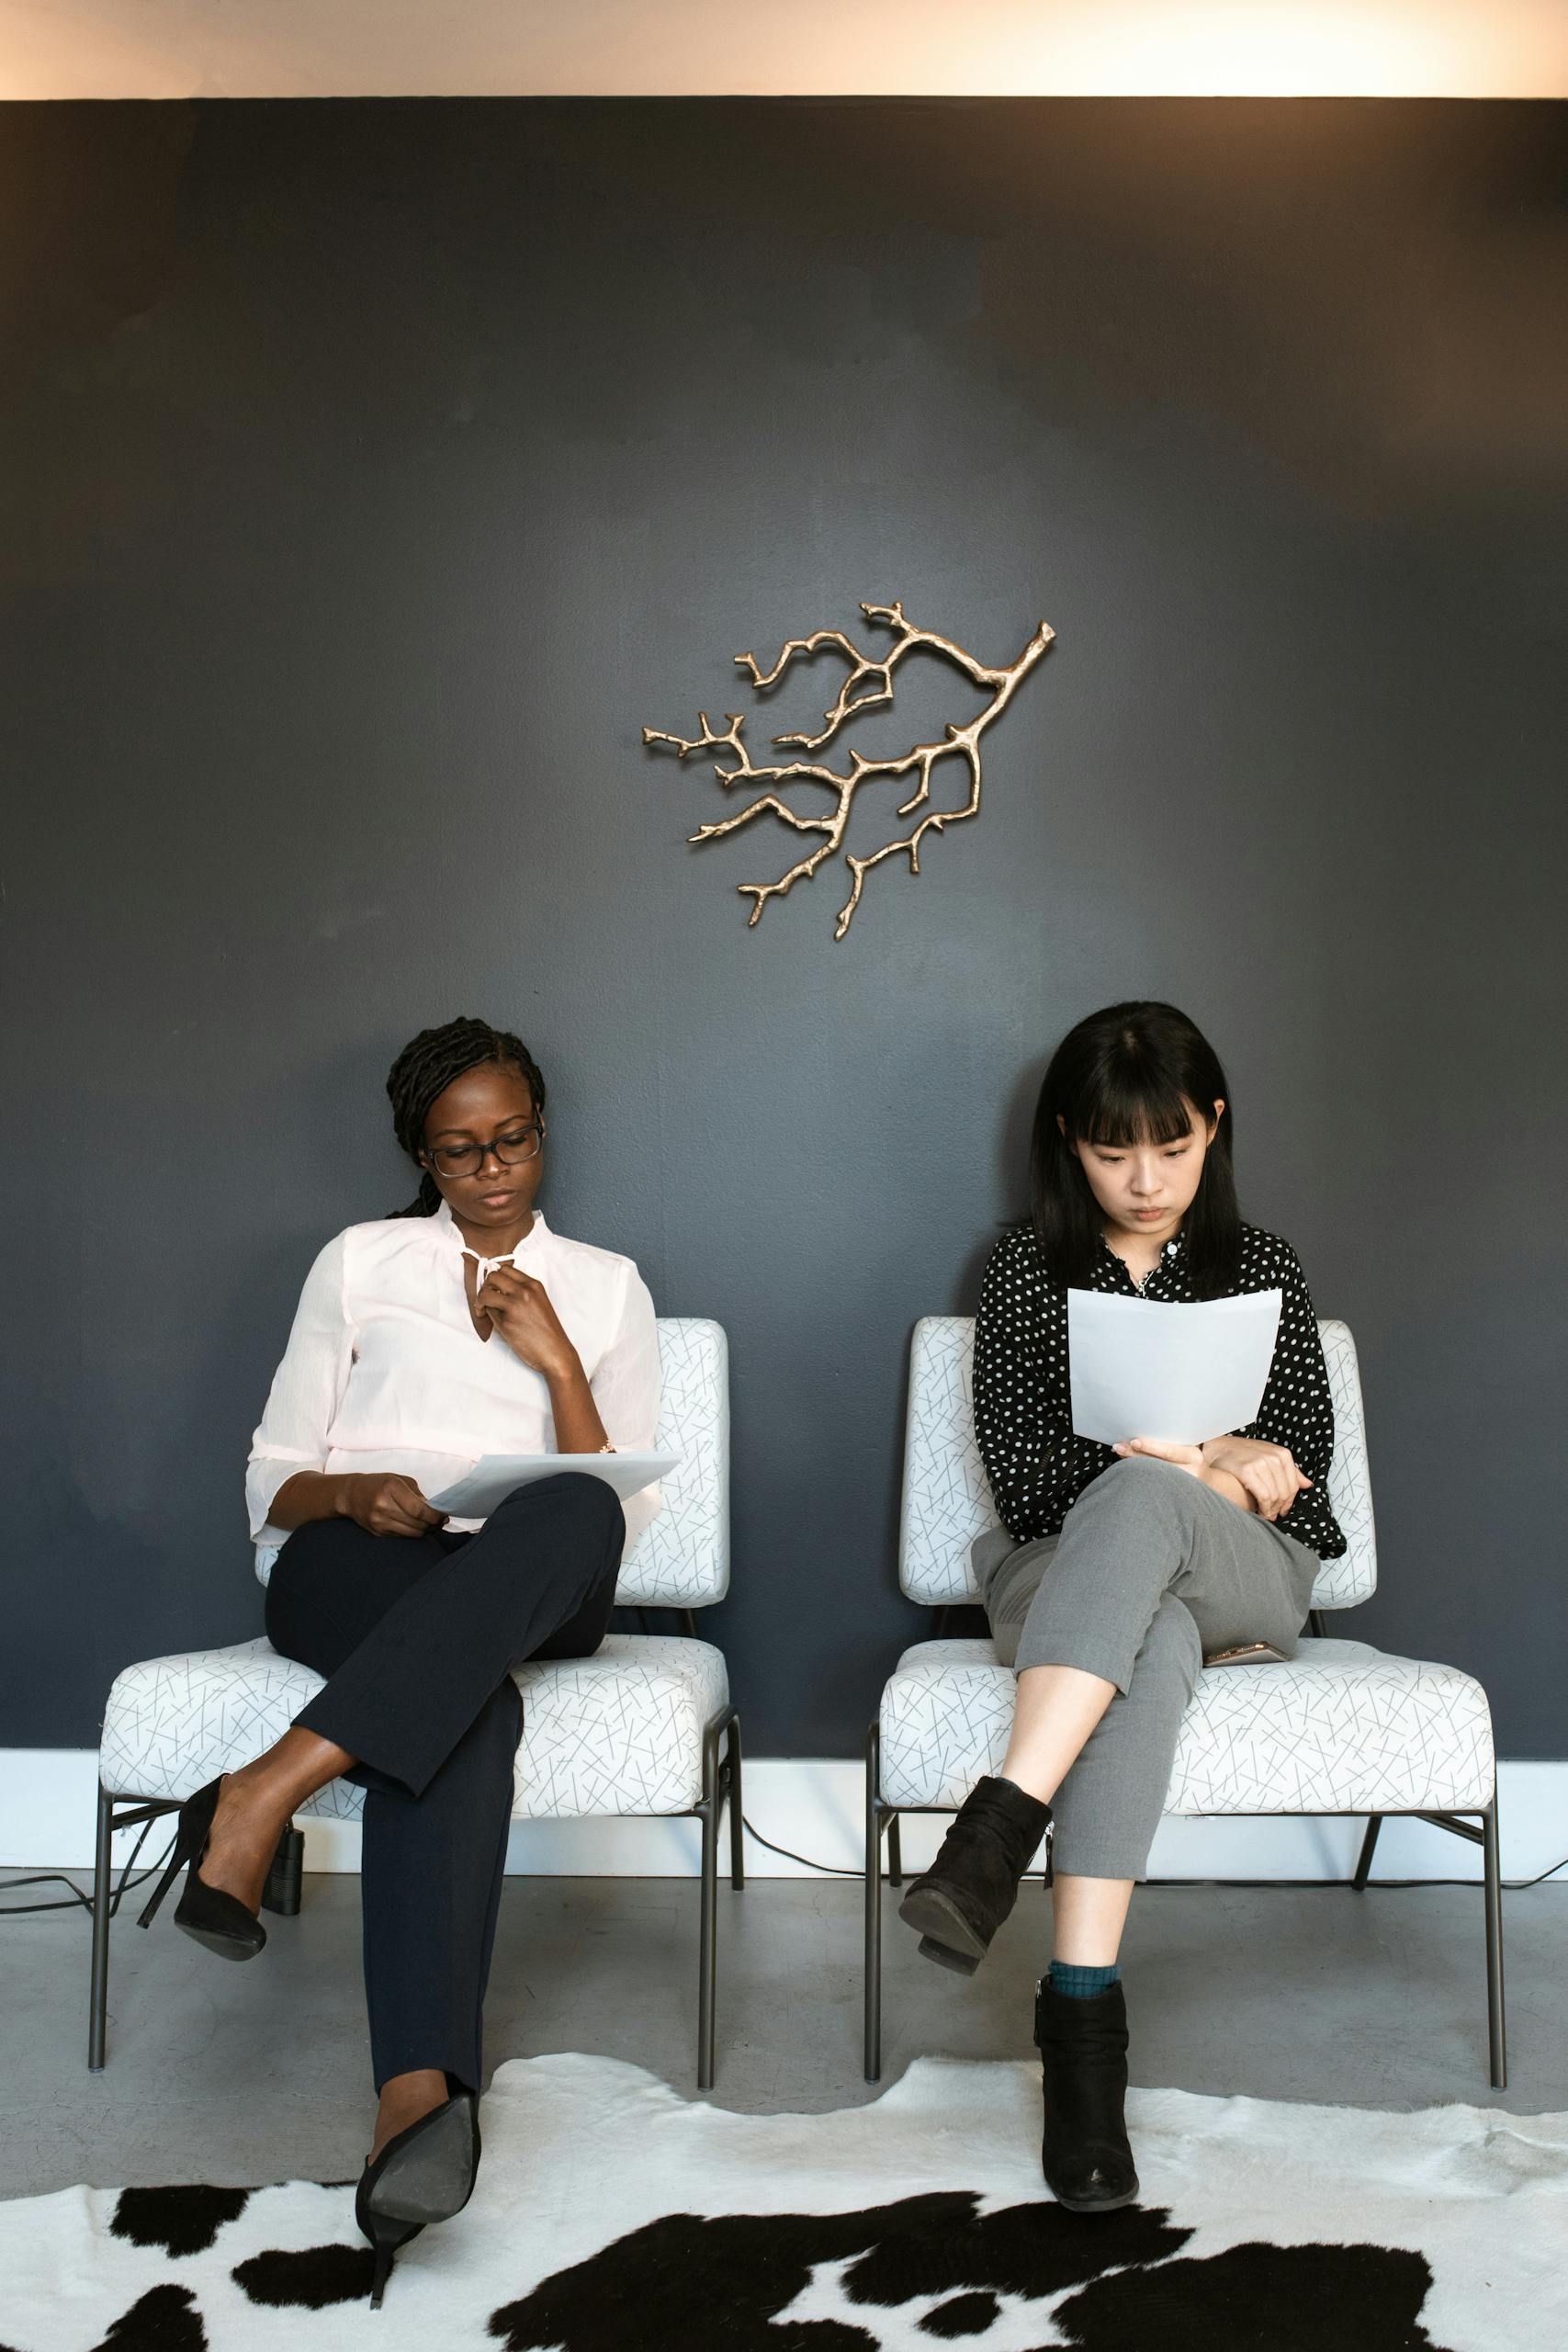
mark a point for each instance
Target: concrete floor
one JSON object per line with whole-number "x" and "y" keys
{"x": 258, "y": 2073}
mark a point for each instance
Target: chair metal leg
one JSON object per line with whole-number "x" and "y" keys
{"x": 737, "y": 1804}
{"x": 1496, "y": 2023}
{"x": 721, "y": 1783}
{"x": 874, "y": 1820}
{"x": 1374, "y": 1823}
{"x": 895, "y": 1852}
{"x": 707, "y": 1958}
{"x": 97, "y": 2010}
{"x": 718, "y": 1780}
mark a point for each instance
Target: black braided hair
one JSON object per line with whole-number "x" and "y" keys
{"x": 427, "y": 1066}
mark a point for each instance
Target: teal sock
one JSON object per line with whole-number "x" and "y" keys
{"x": 1082, "y": 1983}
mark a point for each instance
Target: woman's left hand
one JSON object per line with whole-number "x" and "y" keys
{"x": 1195, "y": 1461}
{"x": 520, "y": 1310}
{"x": 1159, "y": 1449}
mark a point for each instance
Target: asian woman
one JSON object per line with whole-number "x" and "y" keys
{"x": 1118, "y": 1569}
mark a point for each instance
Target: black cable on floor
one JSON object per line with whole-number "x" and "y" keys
{"x": 1539, "y": 1877}
{"x": 1510, "y": 1885}
{"x": 829, "y": 1869}
{"x": 78, "y": 1899}
{"x": 42, "y": 1878}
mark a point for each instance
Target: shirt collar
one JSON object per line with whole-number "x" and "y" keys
{"x": 445, "y": 1225}
{"x": 1173, "y": 1254}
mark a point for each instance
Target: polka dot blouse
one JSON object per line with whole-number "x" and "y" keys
{"x": 1037, "y": 1468}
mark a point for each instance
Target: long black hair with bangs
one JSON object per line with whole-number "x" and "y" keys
{"x": 1127, "y": 1076}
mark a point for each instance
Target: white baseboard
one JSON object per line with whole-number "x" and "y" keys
{"x": 816, "y": 1807}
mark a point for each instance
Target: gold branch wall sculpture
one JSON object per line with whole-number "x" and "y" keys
{"x": 868, "y": 686}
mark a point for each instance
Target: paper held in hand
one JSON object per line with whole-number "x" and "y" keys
{"x": 493, "y": 1476}
{"x": 1185, "y": 1373}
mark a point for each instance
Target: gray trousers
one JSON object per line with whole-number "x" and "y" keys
{"x": 1150, "y": 1570}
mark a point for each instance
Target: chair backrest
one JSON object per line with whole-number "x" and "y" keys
{"x": 681, "y": 1560}
{"x": 947, "y": 1501}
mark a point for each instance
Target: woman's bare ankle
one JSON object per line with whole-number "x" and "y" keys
{"x": 243, "y": 1839}
{"x": 404, "y": 2099}
{"x": 256, "y": 1802}
{"x": 289, "y": 1771}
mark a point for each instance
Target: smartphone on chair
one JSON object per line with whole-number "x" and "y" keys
{"x": 1246, "y": 1653}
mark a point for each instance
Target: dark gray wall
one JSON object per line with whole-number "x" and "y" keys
{"x": 373, "y": 472}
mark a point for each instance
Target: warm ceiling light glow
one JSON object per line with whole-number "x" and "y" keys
{"x": 157, "y": 49}
{"x": 1257, "y": 49}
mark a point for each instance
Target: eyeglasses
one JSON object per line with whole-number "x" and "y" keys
{"x": 511, "y": 1148}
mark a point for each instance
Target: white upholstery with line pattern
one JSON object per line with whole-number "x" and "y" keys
{"x": 681, "y": 1559}
{"x": 1339, "y": 1728}
{"x": 619, "y": 1733}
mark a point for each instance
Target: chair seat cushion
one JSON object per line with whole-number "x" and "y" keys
{"x": 617, "y": 1733}
{"x": 1339, "y": 1728}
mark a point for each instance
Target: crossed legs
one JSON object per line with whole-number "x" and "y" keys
{"x": 1056, "y": 1715}
{"x": 416, "y": 1638}
{"x": 1151, "y": 1569}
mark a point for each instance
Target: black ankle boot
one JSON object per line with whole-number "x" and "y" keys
{"x": 968, "y": 1891}
{"x": 1085, "y": 2153}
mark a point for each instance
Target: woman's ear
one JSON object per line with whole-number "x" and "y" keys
{"x": 1219, "y": 1115}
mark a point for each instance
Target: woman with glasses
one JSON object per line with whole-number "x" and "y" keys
{"x": 461, "y": 1325}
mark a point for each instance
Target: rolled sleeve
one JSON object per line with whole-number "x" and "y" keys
{"x": 626, "y": 1387}
{"x": 306, "y": 1390}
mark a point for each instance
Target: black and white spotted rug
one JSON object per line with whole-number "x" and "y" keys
{"x": 614, "y": 2215}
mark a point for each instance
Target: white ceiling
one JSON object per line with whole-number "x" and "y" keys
{"x": 162, "y": 49}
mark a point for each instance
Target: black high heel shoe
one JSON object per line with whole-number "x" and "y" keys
{"x": 425, "y": 2173}
{"x": 219, "y": 1921}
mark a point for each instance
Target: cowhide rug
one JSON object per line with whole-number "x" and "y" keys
{"x": 614, "y": 2215}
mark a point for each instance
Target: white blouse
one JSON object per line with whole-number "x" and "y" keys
{"x": 385, "y": 1370}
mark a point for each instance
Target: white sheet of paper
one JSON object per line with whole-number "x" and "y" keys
{"x": 495, "y": 1475}
{"x": 1141, "y": 1368}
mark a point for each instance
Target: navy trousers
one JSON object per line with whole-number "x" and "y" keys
{"x": 417, "y": 1636}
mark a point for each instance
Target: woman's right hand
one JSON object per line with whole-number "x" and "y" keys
{"x": 1267, "y": 1473}
{"x": 385, "y": 1503}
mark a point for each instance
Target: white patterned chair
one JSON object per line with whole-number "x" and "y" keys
{"x": 643, "y": 1727}
{"x": 1341, "y": 1728}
